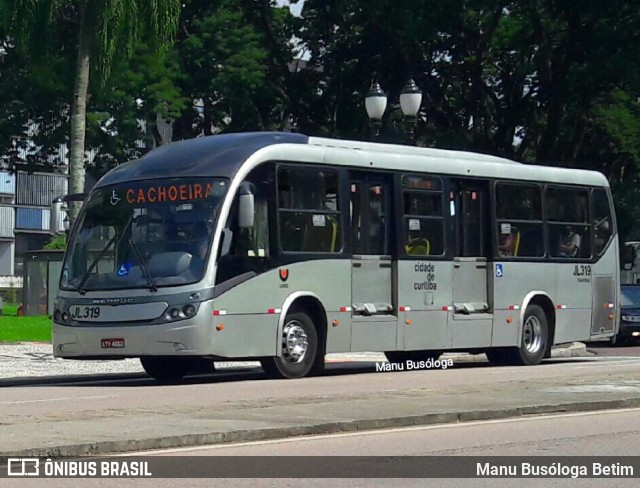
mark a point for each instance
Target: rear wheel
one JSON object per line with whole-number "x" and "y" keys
{"x": 533, "y": 341}
{"x": 299, "y": 348}
{"x": 535, "y": 336}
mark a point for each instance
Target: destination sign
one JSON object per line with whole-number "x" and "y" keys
{"x": 169, "y": 193}
{"x": 421, "y": 182}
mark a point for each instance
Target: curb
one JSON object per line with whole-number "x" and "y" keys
{"x": 190, "y": 440}
{"x": 68, "y": 378}
{"x": 573, "y": 350}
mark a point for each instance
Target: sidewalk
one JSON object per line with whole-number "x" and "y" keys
{"x": 32, "y": 362}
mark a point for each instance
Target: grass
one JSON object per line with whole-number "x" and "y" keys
{"x": 23, "y": 329}
{"x": 10, "y": 309}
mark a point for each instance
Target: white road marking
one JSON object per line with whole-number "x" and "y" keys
{"x": 64, "y": 399}
{"x": 381, "y": 431}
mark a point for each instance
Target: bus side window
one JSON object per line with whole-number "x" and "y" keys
{"x": 518, "y": 225}
{"x": 602, "y": 225}
{"x": 308, "y": 213}
{"x": 423, "y": 223}
{"x": 568, "y": 222}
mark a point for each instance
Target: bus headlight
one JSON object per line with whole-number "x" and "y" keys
{"x": 181, "y": 312}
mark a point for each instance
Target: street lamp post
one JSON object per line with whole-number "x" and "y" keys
{"x": 376, "y": 104}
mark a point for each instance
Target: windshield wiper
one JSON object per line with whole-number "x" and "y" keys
{"x": 143, "y": 266}
{"x": 115, "y": 239}
{"x": 87, "y": 273}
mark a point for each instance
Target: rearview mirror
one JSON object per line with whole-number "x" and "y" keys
{"x": 56, "y": 225}
{"x": 246, "y": 207}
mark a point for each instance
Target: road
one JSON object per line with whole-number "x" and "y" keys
{"x": 109, "y": 415}
{"x": 608, "y": 433}
{"x": 604, "y": 349}
{"x": 355, "y": 379}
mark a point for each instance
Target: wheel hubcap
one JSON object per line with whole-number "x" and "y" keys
{"x": 532, "y": 335}
{"x": 295, "y": 342}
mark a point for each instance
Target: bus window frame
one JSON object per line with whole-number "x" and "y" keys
{"x": 340, "y": 173}
{"x": 592, "y": 258}
{"x": 612, "y": 223}
{"x": 495, "y": 220}
{"x": 400, "y": 215}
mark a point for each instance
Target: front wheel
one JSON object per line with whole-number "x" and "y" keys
{"x": 299, "y": 348}
{"x": 169, "y": 369}
{"x": 164, "y": 369}
{"x": 617, "y": 341}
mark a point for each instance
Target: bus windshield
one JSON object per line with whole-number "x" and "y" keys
{"x": 143, "y": 234}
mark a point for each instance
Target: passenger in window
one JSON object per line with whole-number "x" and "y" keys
{"x": 602, "y": 233}
{"x": 507, "y": 245}
{"x": 569, "y": 243}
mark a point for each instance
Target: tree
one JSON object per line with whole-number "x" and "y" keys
{"x": 227, "y": 50}
{"x": 34, "y": 113}
{"x": 106, "y": 28}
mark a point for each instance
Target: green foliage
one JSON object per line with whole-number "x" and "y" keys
{"x": 543, "y": 82}
{"x": 10, "y": 298}
{"x": 25, "y": 329}
{"x": 59, "y": 241}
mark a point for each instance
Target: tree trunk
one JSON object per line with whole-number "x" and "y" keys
{"x": 79, "y": 114}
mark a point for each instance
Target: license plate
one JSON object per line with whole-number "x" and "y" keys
{"x": 81, "y": 312}
{"x": 117, "y": 313}
{"x": 112, "y": 343}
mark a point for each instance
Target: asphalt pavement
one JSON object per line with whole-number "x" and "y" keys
{"x": 577, "y": 387}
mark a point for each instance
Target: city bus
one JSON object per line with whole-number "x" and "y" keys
{"x": 282, "y": 248}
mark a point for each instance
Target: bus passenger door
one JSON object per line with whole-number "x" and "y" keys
{"x": 374, "y": 319}
{"x": 471, "y": 320}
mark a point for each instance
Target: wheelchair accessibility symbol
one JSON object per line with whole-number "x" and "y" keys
{"x": 499, "y": 270}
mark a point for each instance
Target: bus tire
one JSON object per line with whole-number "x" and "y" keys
{"x": 299, "y": 348}
{"x": 165, "y": 369}
{"x": 535, "y": 337}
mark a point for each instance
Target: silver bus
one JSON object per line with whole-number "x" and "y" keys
{"x": 283, "y": 248}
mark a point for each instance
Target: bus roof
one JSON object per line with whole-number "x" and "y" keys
{"x": 219, "y": 155}
{"x": 223, "y": 155}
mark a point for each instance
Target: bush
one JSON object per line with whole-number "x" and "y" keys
{"x": 59, "y": 241}
{"x": 11, "y": 295}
